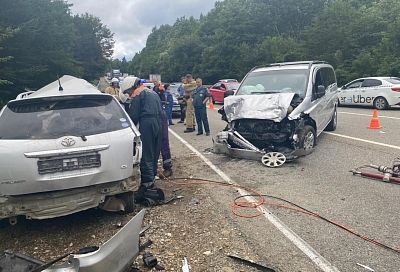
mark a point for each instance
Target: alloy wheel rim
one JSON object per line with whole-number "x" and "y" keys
{"x": 380, "y": 103}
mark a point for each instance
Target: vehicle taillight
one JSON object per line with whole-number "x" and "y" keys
{"x": 396, "y": 89}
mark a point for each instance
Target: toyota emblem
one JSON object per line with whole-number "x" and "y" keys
{"x": 67, "y": 142}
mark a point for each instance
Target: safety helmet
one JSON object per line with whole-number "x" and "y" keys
{"x": 114, "y": 80}
{"x": 129, "y": 82}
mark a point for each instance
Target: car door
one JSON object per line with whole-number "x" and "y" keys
{"x": 217, "y": 92}
{"x": 330, "y": 98}
{"x": 349, "y": 95}
{"x": 371, "y": 88}
{"x": 317, "y": 109}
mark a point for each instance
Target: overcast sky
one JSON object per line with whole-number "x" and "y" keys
{"x": 132, "y": 20}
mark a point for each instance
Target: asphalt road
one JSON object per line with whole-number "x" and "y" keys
{"x": 320, "y": 182}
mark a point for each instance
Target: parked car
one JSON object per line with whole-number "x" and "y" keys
{"x": 378, "y": 92}
{"x": 278, "y": 112}
{"x": 228, "y": 80}
{"x": 65, "y": 149}
{"x": 218, "y": 90}
{"x": 173, "y": 88}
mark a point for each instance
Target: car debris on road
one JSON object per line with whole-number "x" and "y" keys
{"x": 115, "y": 255}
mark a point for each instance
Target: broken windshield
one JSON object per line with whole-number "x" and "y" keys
{"x": 275, "y": 81}
{"x": 51, "y": 119}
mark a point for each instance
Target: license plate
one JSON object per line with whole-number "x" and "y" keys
{"x": 53, "y": 165}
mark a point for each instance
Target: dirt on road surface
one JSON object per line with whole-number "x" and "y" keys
{"x": 193, "y": 227}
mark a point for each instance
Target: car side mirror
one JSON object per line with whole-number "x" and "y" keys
{"x": 321, "y": 91}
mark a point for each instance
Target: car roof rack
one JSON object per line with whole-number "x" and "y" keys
{"x": 290, "y": 63}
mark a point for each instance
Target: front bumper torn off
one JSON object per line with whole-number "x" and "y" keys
{"x": 243, "y": 149}
{"x": 116, "y": 255}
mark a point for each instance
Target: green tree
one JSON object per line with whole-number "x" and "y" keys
{"x": 93, "y": 45}
{"x": 5, "y": 33}
{"x": 48, "y": 41}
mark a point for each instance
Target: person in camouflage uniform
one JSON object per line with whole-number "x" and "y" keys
{"x": 189, "y": 87}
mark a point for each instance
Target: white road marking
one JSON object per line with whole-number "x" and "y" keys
{"x": 363, "y": 140}
{"x": 369, "y": 115}
{"x": 311, "y": 253}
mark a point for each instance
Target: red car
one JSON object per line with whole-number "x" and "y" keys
{"x": 218, "y": 90}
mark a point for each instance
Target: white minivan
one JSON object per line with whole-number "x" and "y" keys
{"x": 65, "y": 148}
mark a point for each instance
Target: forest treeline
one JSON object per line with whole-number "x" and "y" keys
{"x": 40, "y": 39}
{"x": 358, "y": 37}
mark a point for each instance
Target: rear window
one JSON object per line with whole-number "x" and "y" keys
{"x": 233, "y": 86}
{"x": 275, "y": 81}
{"x": 393, "y": 80}
{"x": 51, "y": 118}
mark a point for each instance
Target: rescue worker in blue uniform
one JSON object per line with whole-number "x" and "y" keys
{"x": 146, "y": 111}
{"x": 165, "y": 149}
{"x": 200, "y": 97}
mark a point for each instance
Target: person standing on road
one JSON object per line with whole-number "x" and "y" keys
{"x": 200, "y": 97}
{"x": 189, "y": 87}
{"x": 146, "y": 111}
{"x": 182, "y": 104}
{"x": 169, "y": 104}
{"x": 165, "y": 148}
{"x": 113, "y": 89}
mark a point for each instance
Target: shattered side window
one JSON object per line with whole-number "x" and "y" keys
{"x": 275, "y": 81}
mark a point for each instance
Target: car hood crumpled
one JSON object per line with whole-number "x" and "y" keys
{"x": 266, "y": 106}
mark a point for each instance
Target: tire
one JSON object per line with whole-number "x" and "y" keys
{"x": 333, "y": 123}
{"x": 129, "y": 201}
{"x": 308, "y": 138}
{"x": 380, "y": 103}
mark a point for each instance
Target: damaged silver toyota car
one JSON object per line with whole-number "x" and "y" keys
{"x": 66, "y": 148}
{"x": 278, "y": 112}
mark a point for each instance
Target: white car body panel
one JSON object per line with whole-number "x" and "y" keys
{"x": 365, "y": 96}
{"x": 109, "y": 158}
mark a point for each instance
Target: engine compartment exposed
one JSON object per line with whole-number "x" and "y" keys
{"x": 263, "y": 133}
{"x": 255, "y": 137}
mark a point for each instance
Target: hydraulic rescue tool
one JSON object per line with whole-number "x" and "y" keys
{"x": 382, "y": 173}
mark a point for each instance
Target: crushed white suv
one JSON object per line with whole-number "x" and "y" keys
{"x": 66, "y": 148}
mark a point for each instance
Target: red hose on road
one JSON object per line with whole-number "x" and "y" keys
{"x": 380, "y": 177}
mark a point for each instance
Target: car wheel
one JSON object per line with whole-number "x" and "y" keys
{"x": 333, "y": 123}
{"x": 129, "y": 201}
{"x": 308, "y": 138}
{"x": 380, "y": 103}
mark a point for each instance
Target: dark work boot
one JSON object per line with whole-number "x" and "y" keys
{"x": 150, "y": 196}
{"x": 188, "y": 130}
{"x": 167, "y": 173}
